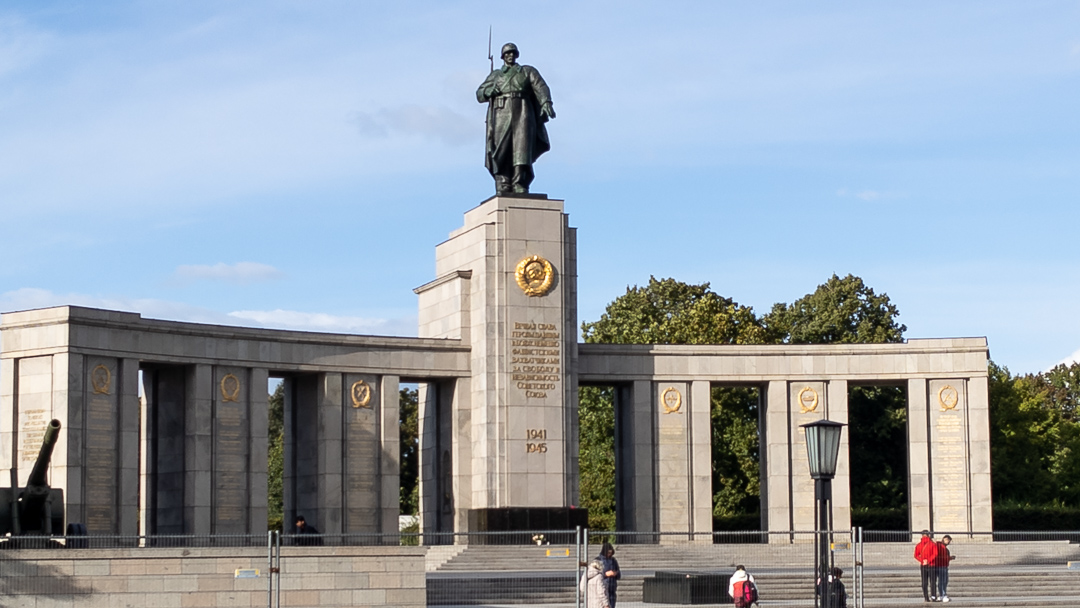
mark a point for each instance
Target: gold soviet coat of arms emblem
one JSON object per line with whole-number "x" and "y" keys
{"x": 534, "y": 275}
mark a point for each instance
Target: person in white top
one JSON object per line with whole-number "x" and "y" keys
{"x": 737, "y": 583}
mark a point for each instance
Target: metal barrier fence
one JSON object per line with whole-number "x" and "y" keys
{"x": 545, "y": 567}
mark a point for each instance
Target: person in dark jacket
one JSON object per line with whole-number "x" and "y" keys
{"x": 941, "y": 568}
{"x": 611, "y": 571}
{"x": 836, "y": 592}
{"x": 306, "y": 535}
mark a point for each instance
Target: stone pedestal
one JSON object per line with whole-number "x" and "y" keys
{"x": 507, "y": 285}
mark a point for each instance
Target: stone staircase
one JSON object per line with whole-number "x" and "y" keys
{"x": 985, "y": 574}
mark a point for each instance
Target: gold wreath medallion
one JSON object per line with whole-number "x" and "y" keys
{"x": 361, "y": 394}
{"x": 948, "y": 397}
{"x": 230, "y": 389}
{"x": 534, "y": 275}
{"x": 101, "y": 380}
{"x": 808, "y": 400}
{"x": 671, "y": 399}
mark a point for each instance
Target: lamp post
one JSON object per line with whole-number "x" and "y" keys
{"x": 822, "y": 450}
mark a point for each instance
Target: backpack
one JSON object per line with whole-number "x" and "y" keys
{"x": 745, "y": 593}
{"x": 749, "y": 592}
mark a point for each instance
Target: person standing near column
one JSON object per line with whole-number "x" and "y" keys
{"x": 941, "y": 568}
{"x": 611, "y": 571}
{"x": 925, "y": 554}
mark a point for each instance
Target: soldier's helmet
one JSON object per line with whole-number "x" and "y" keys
{"x": 510, "y": 47}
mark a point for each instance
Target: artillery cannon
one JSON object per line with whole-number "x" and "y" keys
{"x": 37, "y": 509}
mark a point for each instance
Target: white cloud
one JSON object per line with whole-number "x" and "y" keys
{"x": 438, "y": 123}
{"x": 322, "y": 322}
{"x": 32, "y": 298}
{"x": 1073, "y": 358}
{"x": 241, "y": 273}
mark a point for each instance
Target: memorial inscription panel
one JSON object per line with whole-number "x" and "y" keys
{"x": 100, "y": 467}
{"x": 950, "y": 454}
{"x": 230, "y": 451}
{"x": 536, "y": 358}
{"x": 361, "y": 455}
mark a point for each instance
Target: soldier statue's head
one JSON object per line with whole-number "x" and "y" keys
{"x": 510, "y": 49}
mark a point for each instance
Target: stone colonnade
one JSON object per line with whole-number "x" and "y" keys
{"x": 190, "y": 457}
{"x": 663, "y": 404}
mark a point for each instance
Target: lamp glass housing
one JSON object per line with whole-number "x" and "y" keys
{"x": 823, "y": 447}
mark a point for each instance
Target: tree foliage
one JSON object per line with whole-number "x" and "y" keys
{"x": 877, "y": 427}
{"x": 1035, "y": 437}
{"x": 667, "y": 311}
{"x": 275, "y": 469}
{"x": 408, "y": 434}
{"x": 840, "y": 311}
{"x": 596, "y": 455}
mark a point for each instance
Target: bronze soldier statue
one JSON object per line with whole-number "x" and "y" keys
{"x": 519, "y": 103}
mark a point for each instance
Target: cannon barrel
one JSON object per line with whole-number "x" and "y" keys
{"x": 41, "y": 465}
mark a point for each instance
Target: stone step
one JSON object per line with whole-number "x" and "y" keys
{"x": 882, "y": 588}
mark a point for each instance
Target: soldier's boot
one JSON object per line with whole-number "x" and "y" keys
{"x": 502, "y": 185}
{"x": 523, "y": 176}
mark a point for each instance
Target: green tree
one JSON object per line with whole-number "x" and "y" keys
{"x": 843, "y": 311}
{"x": 667, "y": 311}
{"x": 877, "y": 423}
{"x": 275, "y": 468}
{"x": 596, "y": 455}
{"x": 1035, "y": 437}
{"x": 409, "y": 412}
{"x": 672, "y": 312}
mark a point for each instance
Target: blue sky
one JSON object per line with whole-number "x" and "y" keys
{"x": 293, "y": 164}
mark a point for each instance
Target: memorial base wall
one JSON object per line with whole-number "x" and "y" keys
{"x": 327, "y": 577}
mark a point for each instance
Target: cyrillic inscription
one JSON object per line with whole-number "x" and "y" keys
{"x": 536, "y": 361}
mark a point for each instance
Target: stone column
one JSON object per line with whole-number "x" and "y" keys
{"x": 950, "y": 456}
{"x": 776, "y": 457}
{"x": 258, "y": 457}
{"x": 198, "y": 449}
{"x": 362, "y": 458}
{"x": 66, "y": 470}
{"x": 128, "y": 443}
{"x": 389, "y": 454}
{"x": 809, "y": 402}
{"x": 918, "y": 455}
{"x": 8, "y": 373}
{"x": 700, "y": 419}
{"x": 641, "y": 513}
{"x": 462, "y": 465}
{"x": 331, "y": 454}
{"x": 978, "y": 401}
{"x": 101, "y": 482}
{"x": 427, "y": 395}
{"x": 837, "y": 411}
{"x": 672, "y": 404}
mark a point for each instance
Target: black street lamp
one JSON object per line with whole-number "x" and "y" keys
{"x": 822, "y": 450}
